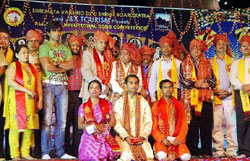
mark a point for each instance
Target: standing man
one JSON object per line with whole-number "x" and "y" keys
{"x": 126, "y": 64}
{"x": 7, "y": 52}
{"x": 74, "y": 86}
{"x": 169, "y": 126}
{"x": 240, "y": 79}
{"x": 147, "y": 55}
{"x": 198, "y": 80}
{"x": 223, "y": 107}
{"x": 56, "y": 59}
{"x": 34, "y": 39}
{"x": 97, "y": 64}
{"x": 167, "y": 67}
{"x": 133, "y": 123}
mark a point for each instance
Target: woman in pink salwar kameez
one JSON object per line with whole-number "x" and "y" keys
{"x": 96, "y": 117}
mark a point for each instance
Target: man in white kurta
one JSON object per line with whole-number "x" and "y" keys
{"x": 133, "y": 110}
{"x": 127, "y": 64}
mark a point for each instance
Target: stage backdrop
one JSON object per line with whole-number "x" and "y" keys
{"x": 141, "y": 25}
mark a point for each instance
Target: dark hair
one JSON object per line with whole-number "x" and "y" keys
{"x": 19, "y": 47}
{"x": 95, "y": 81}
{"x": 4, "y": 30}
{"x": 17, "y": 50}
{"x": 131, "y": 76}
{"x": 166, "y": 81}
{"x": 53, "y": 26}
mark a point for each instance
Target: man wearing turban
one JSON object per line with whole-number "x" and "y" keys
{"x": 128, "y": 63}
{"x": 147, "y": 55}
{"x": 167, "y": 67}
{"x": 34, "y": 40}
{"x": 74, "y": 86}
{"x": 198, "y": 80}
{"x": 240, "y": 79}
{"x": 223, "y": 107}
{"x": 97, "y": 64}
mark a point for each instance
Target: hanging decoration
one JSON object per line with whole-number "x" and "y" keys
{"x": 145, "y": 28}
{"x": 2, "y": 7}
{"x": 169, "y": 3}
{"x": 45, "y": 16}
{"x": 201, "y": 4}
{"x": 139, "y": 22}
{"x": 187, "y": 27}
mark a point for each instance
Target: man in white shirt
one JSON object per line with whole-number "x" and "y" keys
{"x": 167, "y": 67}
{"x": 223, "y": 106}
{"x": 240, "y": 79}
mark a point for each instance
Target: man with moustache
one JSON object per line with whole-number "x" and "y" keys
{"x": 223, "y": 107}
{"x": 167, "y": 67}
{"x": 240, "y": 79}
{"x": 34, "y": 39}
{"x": 126, "y": 64}
{"x": 147, "y": 55}
{"x": 198, "y": 80}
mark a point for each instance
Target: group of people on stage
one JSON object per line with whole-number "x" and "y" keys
{"x": 130, "y": 107}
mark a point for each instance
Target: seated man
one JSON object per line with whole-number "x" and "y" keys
{"x": 133, "y": 123}
{"x": 169, "y": 126}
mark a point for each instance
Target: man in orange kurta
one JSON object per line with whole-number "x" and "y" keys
{"x": 169, "y": 126}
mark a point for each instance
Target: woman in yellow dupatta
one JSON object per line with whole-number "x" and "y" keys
{"x": 23, "y": 98}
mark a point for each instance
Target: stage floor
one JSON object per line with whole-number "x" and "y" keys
{"x": 194, "y": 159}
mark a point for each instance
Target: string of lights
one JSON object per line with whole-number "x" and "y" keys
{"x": 236, "y": 16}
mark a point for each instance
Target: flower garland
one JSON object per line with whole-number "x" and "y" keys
{"x": 149, "y": 20}
{"x": 187, "y": 27}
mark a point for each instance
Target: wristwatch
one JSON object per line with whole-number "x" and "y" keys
{"x": 57, "y": 64}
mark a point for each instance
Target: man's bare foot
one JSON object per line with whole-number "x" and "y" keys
{"x": 171, "y": 157}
